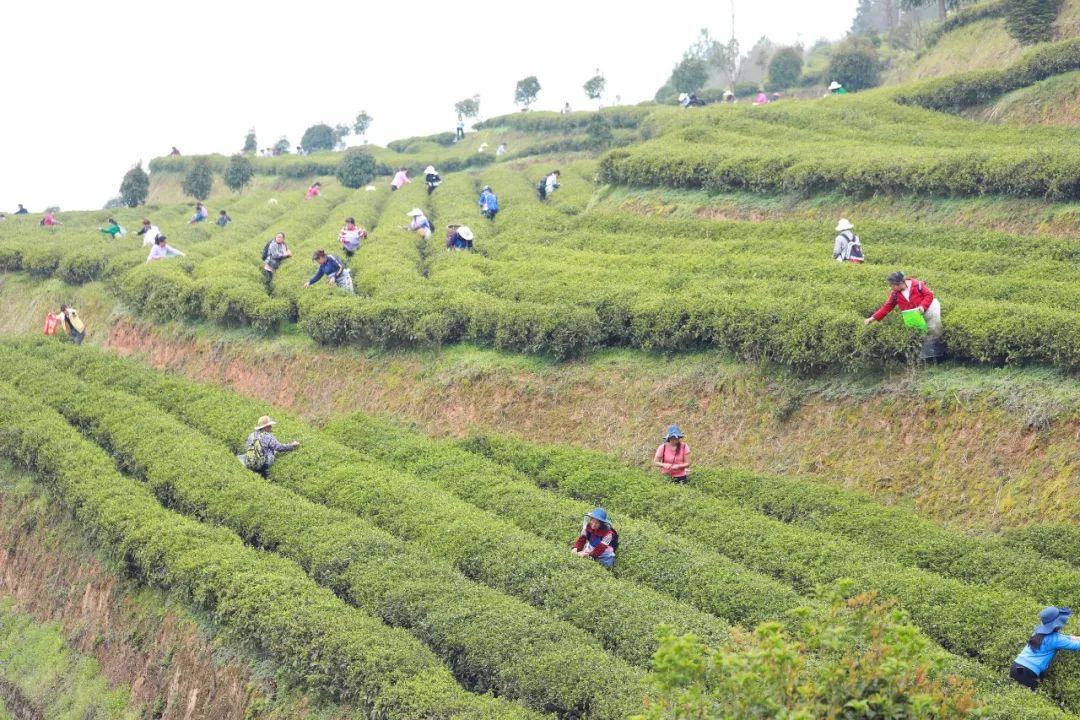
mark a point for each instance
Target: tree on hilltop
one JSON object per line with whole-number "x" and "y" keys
{"x": 594, "y": 86}
{"x": 135, "y": 187}
{"x": 199, "y": 180}
{"x": 526, "y": 91}
{"x": 319, "y": 137}
{"x": 281, "y": 147}
{"x": 468, "y": 108}
{"x": 250, "y": 144}
{"x": 362, "y": 123}
{"x": 357, "y": 168}
{"x": 238, "y": 173}
{"x": 690, "y": 74}
{"x": 341, "y": 131}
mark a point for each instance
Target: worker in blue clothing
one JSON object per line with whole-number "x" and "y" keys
{"x": 1046, "y": 639}
{"x": 333, "y": 270}
{"x": 597, "y": 540}
{"x": 489, "y": 203}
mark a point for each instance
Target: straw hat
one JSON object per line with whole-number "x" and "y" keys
{"x": 465, "y": 232}
{"x": 835, "y": 85}
{"x": 264, "y": 422}
{"x": 430, "y": 170}
{"x": 415, "y": 212}
{"x": 843, "y": 225}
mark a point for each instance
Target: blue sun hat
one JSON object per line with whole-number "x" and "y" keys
{"x": 673, "y": 431}
{"x": 1052, "y": 619}
{"x": 599, "y": 514}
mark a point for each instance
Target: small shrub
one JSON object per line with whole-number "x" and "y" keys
{"x": 199, "y": 180}
{"x": 135, "y": 186}
{"x": 238, "y": 173}
{"x": 357, "y": 169}
{"x": 785, "y": 68}
{"x": 854, "y": 64}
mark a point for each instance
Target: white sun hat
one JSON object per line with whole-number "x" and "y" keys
{"x": 843, "y": 225}
{"x": 430, "y": 170}
{"x": 835, "y": 85}
{"x": 465, "y": 232}
{"x": 415, "y": 212}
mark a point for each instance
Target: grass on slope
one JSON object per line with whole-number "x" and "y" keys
{"x": 982, "y": 45}
{"x": 67, "y": 685}
{"x": 1054, "y": 101}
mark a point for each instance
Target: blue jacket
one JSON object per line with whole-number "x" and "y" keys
{"x": 329, "y": 268}
{"x": 490, "y": 199}
{"x": 1038, "y": 660}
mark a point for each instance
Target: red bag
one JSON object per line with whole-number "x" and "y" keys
{"x": 51, "y": 321}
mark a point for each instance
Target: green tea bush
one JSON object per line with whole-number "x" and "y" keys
{"x": 990, "y": 624}
{"x": 558, "y": 667}
{"x": 262, "y": 598}
{"x": 404, "y": 505}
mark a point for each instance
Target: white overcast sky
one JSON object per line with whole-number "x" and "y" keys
{"x": 90, "y": 88}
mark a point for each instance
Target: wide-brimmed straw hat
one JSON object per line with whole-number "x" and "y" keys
{"x": 265, "y": 422}
{"x": 415, "y": 212}
{"x": 835, "y": 85}
{"x": 430, "y": 170}
{"x": 843, "y": 225}
{"x": 465, "y": 232}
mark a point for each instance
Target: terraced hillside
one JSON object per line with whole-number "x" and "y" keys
{"x": 572, "y": 275}
{"x": 368, "y": 573}
{"x": 352, "y": 573}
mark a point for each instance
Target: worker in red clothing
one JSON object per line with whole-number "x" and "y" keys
{"x": 598, "y": 539}
{"x": 913, "y": 294}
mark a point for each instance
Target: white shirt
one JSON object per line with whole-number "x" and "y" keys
{"x": 162, "y": 251}
{"x": 552, "y": 181}
{"x": 150, "y": 236}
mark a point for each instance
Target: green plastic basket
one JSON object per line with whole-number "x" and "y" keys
{"x": 914, "y": 319}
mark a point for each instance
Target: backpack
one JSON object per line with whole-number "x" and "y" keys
{"x": 855, "y": 253}
{"x": 614, "y": 538}
{"x": 254, "y": 457}
{"x": 266, "y": 249}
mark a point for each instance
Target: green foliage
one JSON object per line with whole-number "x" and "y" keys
{"x": 39, "y": 665}
{"x": 282, "y": 146}
{"x": 341, "y": 131}
{"x": 199, "y": 180}
{"x": 1031, "y": 21}
{"x": 238, "y": 174}
{"x": 318, "y": 137}
{"x": 250, "y": 144}
{"x": 956, "y": 93}
{"x": 689, "y": 75}
{"x": 469, "y": 107}
{"x": 594, "y": 86}
{"x": 965, "y": 16}
{"x": 357, "y": 169}
{"x": 854, "y": 64}
{"x": 261, "y": 597}
{"x": 526, "y": 91}
{"x": 370, "y": 569}
{"x": 785, "y": 68}
{"x": 135, "y": 186}
{"x": 362, "y": 123}
{"x": 941, "y": 607}
{"x": 599, "y": 132}
{"x": 873, "y": 666}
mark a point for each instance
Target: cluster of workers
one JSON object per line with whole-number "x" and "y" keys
{"x": 918, "y": 307}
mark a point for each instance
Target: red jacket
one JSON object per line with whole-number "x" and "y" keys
{"x": 919, "y": 297}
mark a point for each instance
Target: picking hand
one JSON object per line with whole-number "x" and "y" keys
{"x": 867, "y": 321}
